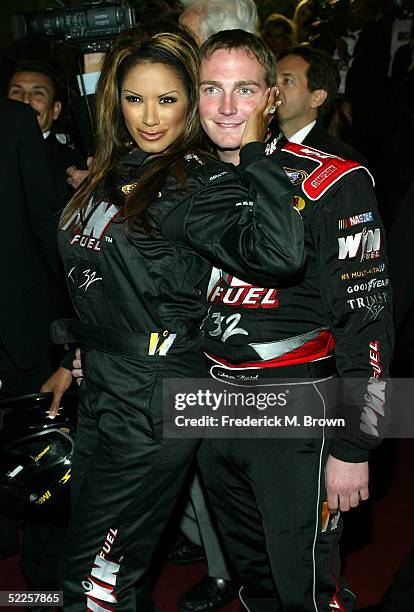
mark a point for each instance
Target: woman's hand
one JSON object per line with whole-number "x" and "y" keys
{"x": 77, "y": 371}
{"x": 58, "y": 383}
{"x": 258, "y": 123}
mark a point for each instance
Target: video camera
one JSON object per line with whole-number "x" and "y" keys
{"x": 90, "y": 26}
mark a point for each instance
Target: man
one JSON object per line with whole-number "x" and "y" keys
{"x": 366, "y": 49}
{"x": 205, "y": 17}
{"x": 270, "y": 496}
{"x": 308, "y": 81}
{"x": 31, "y": 274}
{"x": 34, "y": 83}
{"x": 31, "y": 265}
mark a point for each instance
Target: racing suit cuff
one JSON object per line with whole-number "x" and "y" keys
{"x": 252, "y": 151}
{"x": 350, "y": 451}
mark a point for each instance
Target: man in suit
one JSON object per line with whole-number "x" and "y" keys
{"x": 368, "y": 85}
{"x": 31, "y": 270}
{"x": 308, "y": 81}
{"x": 34, "y": 83}
{"x": 32, "y": 280}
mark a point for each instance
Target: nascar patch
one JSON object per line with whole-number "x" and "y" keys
{"x": 365, "y": 217}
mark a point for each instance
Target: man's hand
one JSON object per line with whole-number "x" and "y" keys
{"x": 76, "y": 176}
{"x": 77, "y": 371}
{"x": 257, "y": 124}
{"x": 58, "y": 384}
{"x": 346, "y": 484}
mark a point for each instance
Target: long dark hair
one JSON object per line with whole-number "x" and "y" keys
{"x": 113, "y": 140}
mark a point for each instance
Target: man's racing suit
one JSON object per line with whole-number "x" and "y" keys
{"x": 269, "y": 494}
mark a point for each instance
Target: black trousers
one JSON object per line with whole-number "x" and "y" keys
{"x": 126, "y": 480}
{"x": 267, "y": 495}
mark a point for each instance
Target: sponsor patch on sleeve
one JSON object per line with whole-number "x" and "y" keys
{"x": 330, "y": 169}
{"x": 365, "y": 217}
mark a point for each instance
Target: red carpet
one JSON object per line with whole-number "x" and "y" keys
{"x": 377, "y": 537}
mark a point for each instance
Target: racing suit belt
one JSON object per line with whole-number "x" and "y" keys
{"x": 109, "y": 340}
{"x": 321, "y": 368}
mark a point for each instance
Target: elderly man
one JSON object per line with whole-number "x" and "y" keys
{"x": 206, "y": 17}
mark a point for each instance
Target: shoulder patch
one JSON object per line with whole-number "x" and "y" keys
{"x": 190, "y": 156}
{"x": 216, "y": 176}
{"x": 128, "y": 188}
{"x": 296, "y": 175}
{"x": 329, "y": 171}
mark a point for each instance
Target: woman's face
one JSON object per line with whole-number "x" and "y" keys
{"x": 277, "y": 39}
{"x": 154, "y": 105}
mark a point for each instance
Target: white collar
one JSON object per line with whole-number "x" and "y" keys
{"x": 46, "y": 134}
{"x": 299, "y": 136}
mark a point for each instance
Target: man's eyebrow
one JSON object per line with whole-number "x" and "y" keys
{"x": 19, "y": 86}
{"x": 236, "y": 83}
{"x": 244, "y": 83}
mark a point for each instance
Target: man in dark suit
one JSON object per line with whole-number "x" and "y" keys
{"x": 308, "y": 81}
{"x": 31, "y": 275}
{"x": 31, "y": 270}
{"x": 368, "y": 85}
{"x": 34, "y": 83}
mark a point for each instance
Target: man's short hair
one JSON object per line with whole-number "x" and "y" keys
{"x": 322, "y": 72}
{"x": 219, "y": 15}
{"x": 43, "y": 68}
{"x": 242, "y": 41}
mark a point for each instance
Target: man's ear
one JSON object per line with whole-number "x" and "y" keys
{"x": 318, "y": 97}
{"x": 57, "y": 107}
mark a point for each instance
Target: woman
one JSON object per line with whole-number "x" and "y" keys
{"x": 138, "y": 242}
{"x": 279, "y": 32}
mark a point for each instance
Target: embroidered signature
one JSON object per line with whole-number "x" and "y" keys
{"x": 90, "y": 277}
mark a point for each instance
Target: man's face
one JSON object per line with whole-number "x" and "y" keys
{"x": 232, "y": 84}
{"x": 298, "y": 105}
{"x": 36, "y": 89}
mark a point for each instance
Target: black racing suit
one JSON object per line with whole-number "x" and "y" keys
{"x": 140, "y": 301}
{"x": 335, "y": 317}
